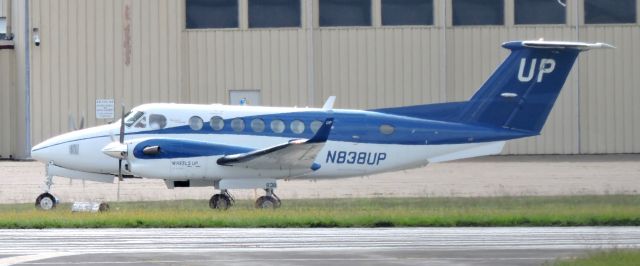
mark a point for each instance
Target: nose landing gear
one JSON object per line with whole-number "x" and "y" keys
{"x": 46, "y": 201}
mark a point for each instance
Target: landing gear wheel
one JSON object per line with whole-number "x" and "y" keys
{"x": 46, "y": 201}
{"x": 104, "y": 207}
{"x": 220, "y": 202}
{"x": 267, "y": 202}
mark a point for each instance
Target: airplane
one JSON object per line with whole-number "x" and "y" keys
{"x": 252, "y": 147}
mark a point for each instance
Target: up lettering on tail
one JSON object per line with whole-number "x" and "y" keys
{"x": 546, "y": 66}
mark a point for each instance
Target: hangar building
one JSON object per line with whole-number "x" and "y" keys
{"x": 67, "y": 59}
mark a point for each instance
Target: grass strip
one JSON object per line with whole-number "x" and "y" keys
{"x": 606, "y": 210}
{"x": 617, "y": 257}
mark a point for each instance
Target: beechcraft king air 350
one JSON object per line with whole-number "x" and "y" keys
{"x": 246, "y": 147}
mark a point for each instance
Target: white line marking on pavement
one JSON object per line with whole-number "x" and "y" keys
{"x": 34, "y": 257}
{"x": 287, "y": 260}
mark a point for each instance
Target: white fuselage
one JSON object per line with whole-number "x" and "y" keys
{"x": 81, "y": 150}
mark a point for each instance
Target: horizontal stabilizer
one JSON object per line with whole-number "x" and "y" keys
{"x": 564, "y": 45}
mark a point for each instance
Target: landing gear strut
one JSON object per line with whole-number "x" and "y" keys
{"x": 221, "y": 201}
{"x": 269, "y": 201}
{"x": 46, "y": 201}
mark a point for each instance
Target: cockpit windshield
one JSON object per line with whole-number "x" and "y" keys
{"x": 132, "y": 118}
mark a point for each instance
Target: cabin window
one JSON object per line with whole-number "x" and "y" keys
{"x": 315, "y": 125}
{"x": 277, "y": 126}
{"x": 142, "y": 123}
{"x": 257, "y": 125}
{"x": 132, "y": 118}
{"x": 157, "y": 121}
{"x": 297, "y": 126}
{"x": 237, "y": 124}
{"x": 387, "y": 129}
{"x": 217, "y": 123}
{"x": 195, "y": 123}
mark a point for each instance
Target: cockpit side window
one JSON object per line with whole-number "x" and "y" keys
{"x": 157, "y": 121}
{"x": 142, "y": 123}
{"x": 132, "y": 118}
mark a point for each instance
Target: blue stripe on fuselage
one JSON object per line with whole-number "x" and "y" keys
{"x": 182, "y": 148}
{"x": 363, "y": 127}
{"x": 357, "y": 127}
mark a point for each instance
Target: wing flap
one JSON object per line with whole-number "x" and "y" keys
{"x": 297, "y": 154}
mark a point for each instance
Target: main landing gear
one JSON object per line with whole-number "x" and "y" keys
{"x": 46, "y": 201}
{"x": 221, "y": 201}
{"x": 269, "y": 201}
{"x": 224, "y": 200}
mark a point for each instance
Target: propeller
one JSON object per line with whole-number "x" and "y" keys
{"x": 121, "y": 142}
{"x": 118, "y": 149}
{"x": 72, "y": 123}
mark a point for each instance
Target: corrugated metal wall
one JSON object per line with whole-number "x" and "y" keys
{"x": 274, "y": 61}
{"x": 124, "y": 50}
{"x": 7, "y": 99}
{"x": 139, "y": 51}
{"x": 7, "y": 95}
{"x": 369, "y": 68}
{"x": 610, "y": 92}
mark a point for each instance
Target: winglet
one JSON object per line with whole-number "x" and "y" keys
{"x": 328, "y": 105}
{"x": 323, "y": 132}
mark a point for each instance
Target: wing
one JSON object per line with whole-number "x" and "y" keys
{"x": 294, "y": 155}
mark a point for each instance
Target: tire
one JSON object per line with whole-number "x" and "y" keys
{"x": 104, "y": 207}
{"x": 267, "y": 202}
{"x": 46, "y": 202}
{"x": 219, "y": 202}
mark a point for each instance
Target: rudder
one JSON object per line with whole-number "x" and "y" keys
{"x": 521, "y": 92}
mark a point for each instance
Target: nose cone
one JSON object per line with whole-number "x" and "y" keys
{"x": 66, "y": 147}
{"x": 40, "y": 152}
{"x": 54, "y": 148}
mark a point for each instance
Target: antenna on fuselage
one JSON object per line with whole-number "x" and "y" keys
{"x": 328, "y": 105}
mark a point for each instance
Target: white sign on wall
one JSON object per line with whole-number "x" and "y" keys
{"x": 105, "y": 108}
{"x": 244, "y": 97}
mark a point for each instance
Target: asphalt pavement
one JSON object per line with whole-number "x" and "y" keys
{"x": 335, "y": 246}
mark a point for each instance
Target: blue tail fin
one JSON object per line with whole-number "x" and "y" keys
{"x": 521, "y": 92}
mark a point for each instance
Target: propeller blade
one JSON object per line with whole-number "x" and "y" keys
{"x": 120, "y": 170}
{"x": 71, "y": 123}
{"x": 122, "y": 126}
{"x": 121, "y": 142}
